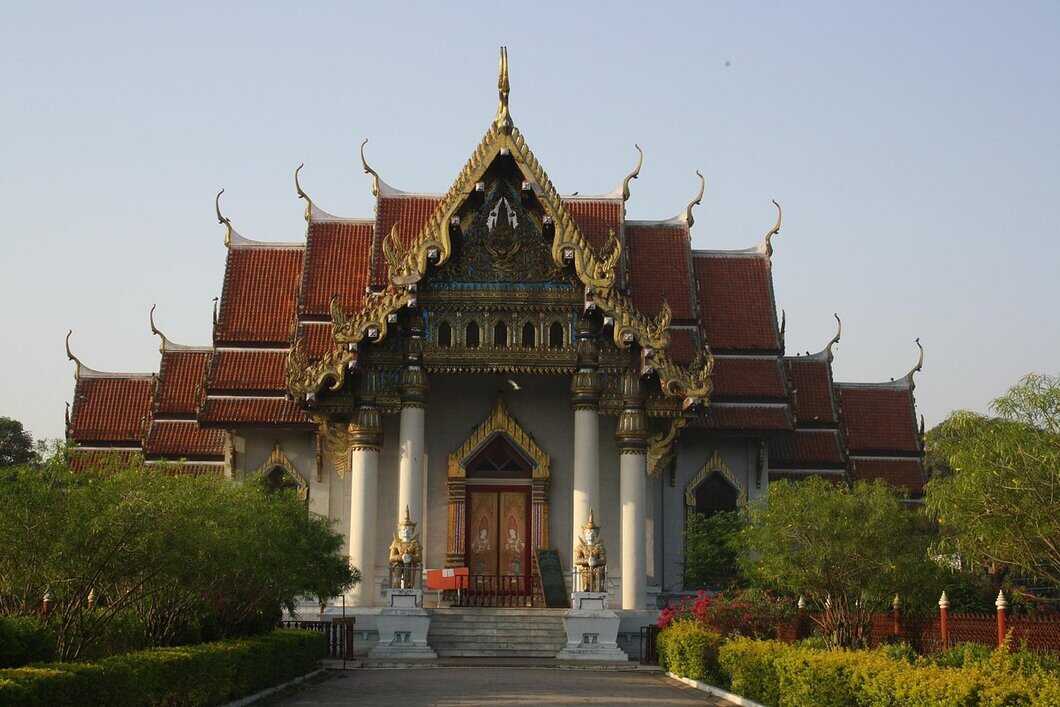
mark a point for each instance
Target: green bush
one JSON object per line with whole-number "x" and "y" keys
{"x": 201, "y": 675}
{"x": 791, "y": 676}
{"x": 750, "y": 668}
{"x": 24, "y": 639}
{"x": 689, "y": 649}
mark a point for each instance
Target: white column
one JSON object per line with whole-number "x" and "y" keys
{"x": 586, "y": 468}
{"x": 410, "y": 465}
{"x": 633, "y": 469}
{"x": 364, "y": 502}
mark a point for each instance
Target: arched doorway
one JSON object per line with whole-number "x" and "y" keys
{"x": 498, "y": 508}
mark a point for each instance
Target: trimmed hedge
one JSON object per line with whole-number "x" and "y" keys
{"x": 198, "y": 675}
{"x": 24, "y": 639}
{"x": 785, "y": 675}
{"x": 689, "y": 649}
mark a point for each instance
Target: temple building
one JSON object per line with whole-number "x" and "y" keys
{"x": 500, "y": 359}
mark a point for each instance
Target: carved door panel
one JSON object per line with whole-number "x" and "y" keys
{"x": 482, "y": 532}
{"x": 497, "y": 531}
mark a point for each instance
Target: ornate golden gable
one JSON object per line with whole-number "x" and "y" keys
{"x": 597, "y": 272}
{"x": 499, "y": 421}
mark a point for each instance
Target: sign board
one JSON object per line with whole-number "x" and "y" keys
{"x": 552, "y": 584}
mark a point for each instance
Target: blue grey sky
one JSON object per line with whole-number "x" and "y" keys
{"x": 914, "y": 147}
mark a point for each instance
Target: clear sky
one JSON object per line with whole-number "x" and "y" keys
{"x": 914, "y": 147}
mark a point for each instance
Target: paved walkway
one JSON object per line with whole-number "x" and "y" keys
{"x": 494, "y": 686}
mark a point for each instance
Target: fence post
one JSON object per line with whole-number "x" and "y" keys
{"x": 800, "y": 621}
{"x": 944, "y": 626}
{"x": 1002, "y": 607}
{"x": 896, "y": 614}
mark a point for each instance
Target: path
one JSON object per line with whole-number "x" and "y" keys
{"x": 494, "y": 686}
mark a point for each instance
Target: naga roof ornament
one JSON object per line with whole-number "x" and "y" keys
{"x": 155, "y": 330}
{"x": 301, "y": 193}
{"x": 919, "y": 362}
{"x": 767, "y": 242}
{"x": 835, "y": 339}
{"x": 75, "y": 359}
{"x": 229, "y": 231}
{"x": 378, "y": 185}
{"x": 632, "y": 175}
{"x": 698, "y": 199}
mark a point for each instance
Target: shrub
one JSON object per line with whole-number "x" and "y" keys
{"x": 791, "y": 675}
{"x": 687, "y": 648}
{"x": 205, "y": 674}
{"x": 749, "y": 612}
{"x": 24, "y": 639}
{"x": 750, "y": 668}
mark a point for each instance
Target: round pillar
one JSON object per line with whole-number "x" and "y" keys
{"x": 413, "y": 420}
{"x": 365, "y": 437}
{"x": 632, "y": 438}
{"x": 585, "y": 399}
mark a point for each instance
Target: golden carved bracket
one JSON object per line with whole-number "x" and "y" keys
{"x": 661, "y": 446}
{"x": 499, "y": 421}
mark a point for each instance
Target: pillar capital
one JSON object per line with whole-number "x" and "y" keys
{"x": 585, "y": 389}
{"x": 632, "y": 432}
{"x": 413, "y": 376}
{"x": 366, "y": 428}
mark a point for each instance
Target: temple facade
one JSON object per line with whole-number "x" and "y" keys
{"x": 500, "y": 359}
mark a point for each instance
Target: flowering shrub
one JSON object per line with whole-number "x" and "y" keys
{"x": 751, "y": 612}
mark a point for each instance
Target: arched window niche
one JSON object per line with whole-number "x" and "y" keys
{"x": 555, "y": 335}
{"x": 445, "y": 335}
{"x": 529, "y": 338}
{"x": 471, "y": 335}
{"x": 500, "y": 335}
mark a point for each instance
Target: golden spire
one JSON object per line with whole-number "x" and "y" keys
{"x": 407, "y": 520}
{"x": 504, "y": 118}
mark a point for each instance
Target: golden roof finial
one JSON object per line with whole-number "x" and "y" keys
{"x": 222, "y": 220}
{"x": 154, "y": 329}
{"x": 698, "y": 199}
{"x": 70, "y": 355}
{"x": 369, "y": 170}
{"x": 919, "y": 362}
{"x": 767, "y": 245}
{"x": 302, "y": 194}
{"x": 835, "y": 339}
{"x": 632, "y": 175}
{"x": 504, "y": 118}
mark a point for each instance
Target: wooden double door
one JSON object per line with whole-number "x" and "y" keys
{"x": 498, "y": 529}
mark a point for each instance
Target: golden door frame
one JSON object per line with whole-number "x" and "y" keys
{"x": 499, "y": 421}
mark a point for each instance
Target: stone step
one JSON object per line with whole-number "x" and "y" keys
{"x": 467, "y": 653}
{"x": 502, "y": 625}
{"x": 471, "y": 633}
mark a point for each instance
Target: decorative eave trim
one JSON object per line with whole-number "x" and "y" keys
{"x": 166, "y": 345}
{"x": 802, "y": 471}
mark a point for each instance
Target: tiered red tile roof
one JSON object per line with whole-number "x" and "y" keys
{"x": 276, "y": 295}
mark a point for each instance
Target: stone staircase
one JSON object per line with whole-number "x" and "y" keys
{"x": 496, "y": 633}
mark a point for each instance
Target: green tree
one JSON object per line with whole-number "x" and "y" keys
{"x": 847, "y": 550}
{"x": 16, "y": 444}
{"x": 999, "y": 505}
{"x": 711, "y": 549}
{"x": 142, "y": 557}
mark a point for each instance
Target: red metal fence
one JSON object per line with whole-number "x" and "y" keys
{"x": 943, "y": 630}
{"x": 499, "y": 591}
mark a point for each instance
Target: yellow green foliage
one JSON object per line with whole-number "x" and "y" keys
{"x": 686, "y": 647}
